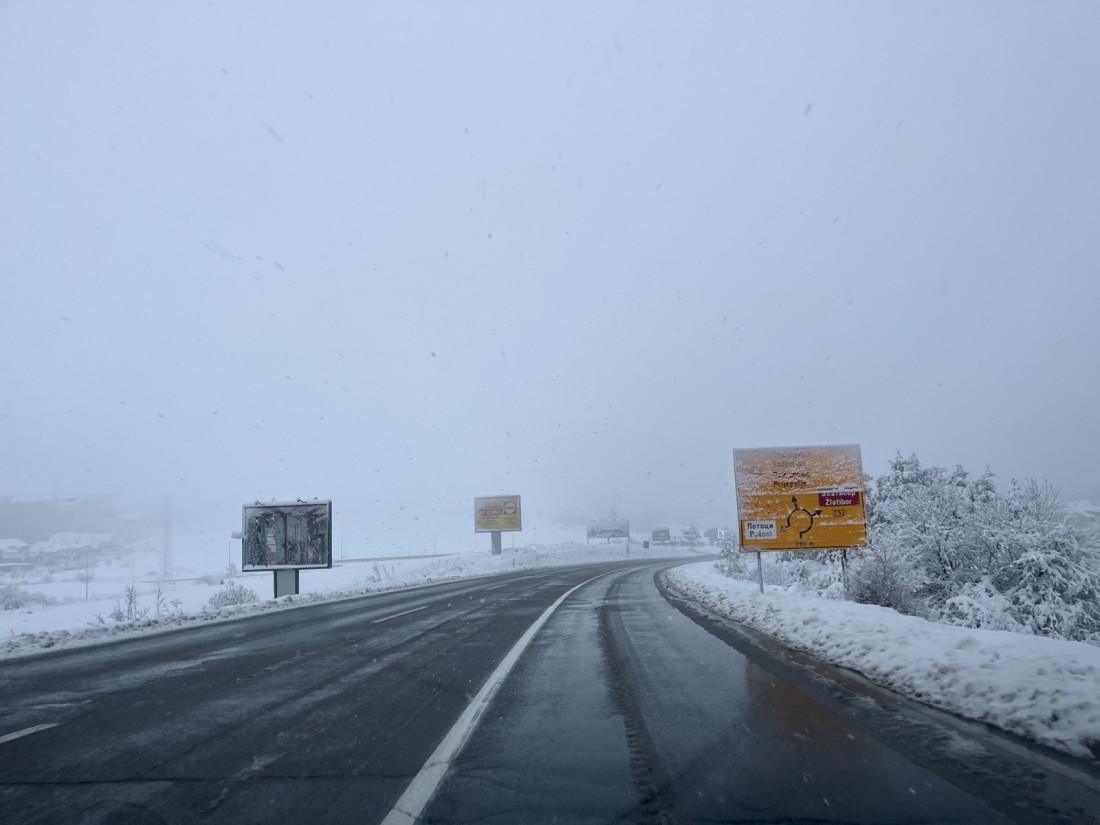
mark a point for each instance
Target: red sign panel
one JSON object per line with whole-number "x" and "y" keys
{"x": 838, "y": 498}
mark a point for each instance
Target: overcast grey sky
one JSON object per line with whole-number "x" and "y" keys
{"x": 401, "y": 255}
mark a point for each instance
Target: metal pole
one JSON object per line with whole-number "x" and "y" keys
{"x": 496, "y": 543}
{"x": 760, "y": 570}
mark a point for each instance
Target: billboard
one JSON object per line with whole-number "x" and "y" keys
{"x": 609, "y": 530}
{"x": 800, "y": 498}
{"x": 287, "y": 535}
{"x": 496, "y": 514}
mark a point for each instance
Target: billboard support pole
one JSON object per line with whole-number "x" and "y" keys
{"x": 286, "y": 582}
{"x": 844, "y": 570}
{"x": 760, "y": 570}
{"x": 496, "y": 543}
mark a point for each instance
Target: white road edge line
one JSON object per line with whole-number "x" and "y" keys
{"x": 26, "y": 732}
{"x": 414, "y": 800}
{"x": 398, "y": 615}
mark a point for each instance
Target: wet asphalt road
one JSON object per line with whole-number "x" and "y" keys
{"x": 626, "y": 707}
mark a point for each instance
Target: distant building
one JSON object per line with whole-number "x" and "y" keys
{"x": 13, "y": 550}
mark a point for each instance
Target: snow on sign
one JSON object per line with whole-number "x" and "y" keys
{"x": 497, "y": 513}
{"x": 800, "y": 498}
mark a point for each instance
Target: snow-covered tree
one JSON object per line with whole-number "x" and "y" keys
{"x": 888, "y": 573}
{"x": 731, "y": 561}
{"x": 931, "y": 519}
{"x": 1044, "y": 570}
{"x": 952, "y": 548}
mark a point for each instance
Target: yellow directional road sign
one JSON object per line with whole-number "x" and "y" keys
{"x": 800, "y": 498}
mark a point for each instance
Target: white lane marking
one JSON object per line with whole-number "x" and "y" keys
{"x": 398, "y": 615}
{"x": 407, "y": 809}
{"x": 497, "y": 586}
{"x": 27, "y": 732}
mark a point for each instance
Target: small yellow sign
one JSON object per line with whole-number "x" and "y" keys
{"x": 497, "y": 513}
{"x": 800, "y": 498}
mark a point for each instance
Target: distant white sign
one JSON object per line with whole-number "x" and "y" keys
{"x": 760, "y": 530}
{"x": 609, "y": 530}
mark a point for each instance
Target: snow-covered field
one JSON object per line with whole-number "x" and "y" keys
{"x": 1043, "y": 689}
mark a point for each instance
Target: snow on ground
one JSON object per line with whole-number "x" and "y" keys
{"x": 1047, "y": 690}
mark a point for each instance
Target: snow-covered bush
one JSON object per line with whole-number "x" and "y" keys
{"x": 888, "y": 574}
{"x": 231, "y": 595}
{"x": 1053, "y": 594}
{"x": 814, "y": 572}
{"x": 15, "y": 598}
{"x": 979, "y": 605}
{"x": 973, "y": 557}
{"x": 1047, "y": 573}
{"x": 731, "y": 561}
{"x": 936, "y": 520}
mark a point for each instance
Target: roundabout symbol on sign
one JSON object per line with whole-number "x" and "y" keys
{"x": 800, "y": 516}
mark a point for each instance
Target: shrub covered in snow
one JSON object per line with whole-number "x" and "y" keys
{"x": 232, "y": 594}
{"x": 887, "y": 574}
{"x": 13, "y": 597}
{"x": 978, "y": 605}
{"x": 979, "y": 558}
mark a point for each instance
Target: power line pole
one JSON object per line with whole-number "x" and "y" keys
{"x": 166, "y": 553}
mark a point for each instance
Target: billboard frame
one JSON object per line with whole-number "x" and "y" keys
{"x": 609, "y": 529}
{"x": 308, "y": 522}
{"x": 508, "y": 520}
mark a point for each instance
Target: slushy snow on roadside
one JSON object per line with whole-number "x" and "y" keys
{"x": 1047, "y": 690}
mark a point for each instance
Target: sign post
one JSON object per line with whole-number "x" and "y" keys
{"x": 494, "y": 514}
{"x": 800, "y": 498}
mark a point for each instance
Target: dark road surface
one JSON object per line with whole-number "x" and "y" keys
{"x": 625, "y": 707}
